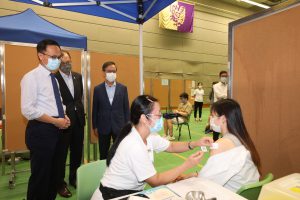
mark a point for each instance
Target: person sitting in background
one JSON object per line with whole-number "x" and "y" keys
{"x": 184, "y": 110}
{"x": 235, "y": 162}
{"x": 130, "y": 160}
{"x": 198, "y": 95}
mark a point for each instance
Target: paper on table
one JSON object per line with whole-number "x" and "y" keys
{"x": 209, "y": 188}
{"x": 161, "y": 193}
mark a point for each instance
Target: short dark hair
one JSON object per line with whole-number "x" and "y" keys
{"x": 42, "y": 45}
{"x": 223, "y": 72}
{"x": 184, "y": 95}
{"x": 108, "y": 63}
{"x": 66, "y": 52}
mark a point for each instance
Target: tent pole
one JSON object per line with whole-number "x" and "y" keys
{"x": 2, "y": 74}
{"x": 88, "y": 102}
{"x": 141, "y": 59}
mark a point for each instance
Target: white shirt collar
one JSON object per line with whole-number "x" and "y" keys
{"x": 113, "y": 85}
{"x": 44, "y": 70}
{"x": 223, "y": 84}
{"x": 65, "y": 75}
{"x": 135, "y": 132}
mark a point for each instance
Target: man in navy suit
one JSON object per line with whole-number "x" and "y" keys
{"x": 110, "y": 108}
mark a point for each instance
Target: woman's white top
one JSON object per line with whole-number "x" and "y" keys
{"x": 231, "y": 169}
{"x": 133, "y": 162}
{"x": 198, "y": 93}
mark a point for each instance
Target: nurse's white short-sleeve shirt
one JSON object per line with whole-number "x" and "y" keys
{"x": 133, "y": 162}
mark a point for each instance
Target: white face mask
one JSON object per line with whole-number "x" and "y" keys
{"x": 111, "y": 77}
{"x": 223, "y": 79}
{"x": 213, "y": 126}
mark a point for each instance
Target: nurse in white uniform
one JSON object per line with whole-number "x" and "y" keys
{"x": 130, "y": 160}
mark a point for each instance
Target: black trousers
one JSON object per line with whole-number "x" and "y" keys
{"x": 71, "y": 138}
{"x": 104, "y": 144}
{"x": 110, "y": 193}
{"x": 41, "y": 139}
{"x": 198, "y": 106}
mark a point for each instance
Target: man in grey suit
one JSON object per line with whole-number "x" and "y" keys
{"x": 110, "y": 108}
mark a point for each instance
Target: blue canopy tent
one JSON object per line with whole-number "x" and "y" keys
{"x": 132, "y": 11}
{"x": 28, "y": 27}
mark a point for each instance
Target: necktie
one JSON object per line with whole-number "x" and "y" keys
{"x": 57, "y": 97}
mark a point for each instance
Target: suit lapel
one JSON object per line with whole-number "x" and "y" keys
{"x": 105, "y": 92}
{"x": 62, "y": 81}
{"x": 116, "y": 92}
{"x": 75, "y": 85}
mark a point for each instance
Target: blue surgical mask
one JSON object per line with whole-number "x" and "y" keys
{"x": 157, "y": 126}
{"x": 53, "y": 64}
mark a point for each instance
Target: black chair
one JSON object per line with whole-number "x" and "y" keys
{"x": 186, "y": 124}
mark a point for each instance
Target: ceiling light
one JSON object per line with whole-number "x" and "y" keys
{"x": 256, "y": 4}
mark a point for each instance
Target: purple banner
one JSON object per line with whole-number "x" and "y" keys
{"x": 187, "y": 25}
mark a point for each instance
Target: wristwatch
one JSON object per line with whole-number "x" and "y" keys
{"x": 189, "y": 145}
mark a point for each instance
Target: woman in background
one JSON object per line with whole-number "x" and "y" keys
{"x": 198, "y": 104}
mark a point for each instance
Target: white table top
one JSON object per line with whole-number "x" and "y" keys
{"x": 181, "y": 188}
{"x": 209, "y": 188}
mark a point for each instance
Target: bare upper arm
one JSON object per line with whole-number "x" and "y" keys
{"x": 224, "y": 145}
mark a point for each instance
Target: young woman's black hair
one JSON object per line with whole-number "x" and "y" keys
{"x": 143, "y": 104}
{"x": 236, "y": 126}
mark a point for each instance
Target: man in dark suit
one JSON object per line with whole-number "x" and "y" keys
{"x": 71, "y": 89}
{"x": 110, "y": 108}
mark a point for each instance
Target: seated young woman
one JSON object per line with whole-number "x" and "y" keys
{"x": 235, "y": 162}
{"x": 130, "y": 159}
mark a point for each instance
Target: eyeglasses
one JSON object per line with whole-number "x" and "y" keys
{"x": 158, "y": 115}
{"x": 110, "y": 71}
{"x": 53, "y": 57}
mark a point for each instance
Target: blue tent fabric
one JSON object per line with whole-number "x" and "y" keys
{"x": 112, "y": 8}
{"x": 28, "y": 27}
